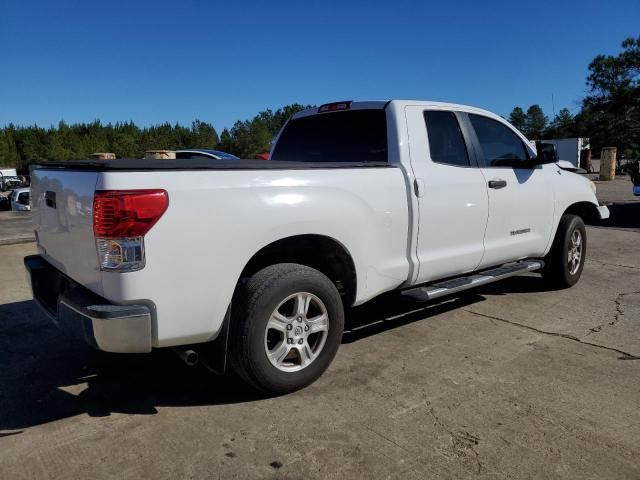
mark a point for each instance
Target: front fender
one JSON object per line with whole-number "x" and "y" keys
{"x": 574, "y": 193}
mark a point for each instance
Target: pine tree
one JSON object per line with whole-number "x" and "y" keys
{"x": 536, "y": 123}
{"x": 563, "y": 125}
{"x": 611, "y": 112}
{"x": 518, "y": 119}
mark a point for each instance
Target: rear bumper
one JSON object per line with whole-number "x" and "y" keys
{"x": 105, "y": 326}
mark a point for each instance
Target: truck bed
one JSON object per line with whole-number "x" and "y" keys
{"x": 135, "y": 164}
{"x": 220, "y": 214}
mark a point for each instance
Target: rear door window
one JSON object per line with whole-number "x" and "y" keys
{"x": 347, "y": 136}
{"x": 446, "y": 143}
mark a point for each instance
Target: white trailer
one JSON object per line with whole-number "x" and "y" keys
{"x": 569, "y": 148}
{"x": 8, "y": 172}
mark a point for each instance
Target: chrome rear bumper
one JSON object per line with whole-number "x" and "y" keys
{"x": 105, "y": 326}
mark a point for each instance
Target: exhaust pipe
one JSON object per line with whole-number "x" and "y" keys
{"x": 188, "y": 356}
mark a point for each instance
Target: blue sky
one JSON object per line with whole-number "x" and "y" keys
{"x": 156, "y": 61}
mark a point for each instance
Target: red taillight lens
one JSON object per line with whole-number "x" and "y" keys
{"x": 127, "y": 213}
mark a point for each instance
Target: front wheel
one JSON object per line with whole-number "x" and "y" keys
{"x": 286, "y": 328}
{"x": 565, "y": 261}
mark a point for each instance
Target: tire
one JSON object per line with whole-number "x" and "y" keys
{"x": 275, "y": 349}
{"x": 561, "y": 271}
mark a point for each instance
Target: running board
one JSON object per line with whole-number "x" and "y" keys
{"x": 458, "y": 284}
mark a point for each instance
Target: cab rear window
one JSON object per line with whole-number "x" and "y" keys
{"x": 347, "y": 136}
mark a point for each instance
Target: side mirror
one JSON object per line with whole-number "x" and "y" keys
{"x": 546, "y": 153}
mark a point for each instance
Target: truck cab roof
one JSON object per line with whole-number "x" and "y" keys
{"x": 399, "y": 105}
{"x": 374, "y": 104}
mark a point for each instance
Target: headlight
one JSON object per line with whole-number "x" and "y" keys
{"x": 593, "y": 187}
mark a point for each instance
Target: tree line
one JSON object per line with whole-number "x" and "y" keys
{"x": 609, "y": 115}
{"x": 22, "y": 145}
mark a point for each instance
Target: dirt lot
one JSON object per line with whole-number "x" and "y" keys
{"x": 15, "y": 227}
{"x": 509, "y": 381}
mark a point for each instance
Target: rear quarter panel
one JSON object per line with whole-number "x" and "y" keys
{"x": 217, "y": 220}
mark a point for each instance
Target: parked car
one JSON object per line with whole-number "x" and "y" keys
{"x": 250, "y": 264}
{"x": 194, "y": 153}
{"x": 20, "y": 199}
{"x": 9, "y": 180}
{"x": 262, "y": 156}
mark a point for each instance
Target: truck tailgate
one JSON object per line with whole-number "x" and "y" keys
{"x": 62, "y": 212}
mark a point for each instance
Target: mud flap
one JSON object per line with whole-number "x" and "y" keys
{"x": 214, "y": 354}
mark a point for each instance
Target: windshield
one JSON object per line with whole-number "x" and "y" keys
{"x": 347, "y": 136}
{"x": 23, "y": 198}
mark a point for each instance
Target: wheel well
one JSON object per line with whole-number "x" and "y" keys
{"x": 316, "y": 251}
{"x": 585, "y": 210}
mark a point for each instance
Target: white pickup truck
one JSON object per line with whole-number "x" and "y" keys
{"x": 252, "y": 263}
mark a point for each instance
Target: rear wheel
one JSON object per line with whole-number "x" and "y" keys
{"x": 565, "y": 261}
{"x": 286, "y": 328}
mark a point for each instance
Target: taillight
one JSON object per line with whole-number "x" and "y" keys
{"x": 121, "y": 218}
{"x": 127, "y": 213}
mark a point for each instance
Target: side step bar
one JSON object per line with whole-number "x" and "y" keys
{"x": 458, "y": 284}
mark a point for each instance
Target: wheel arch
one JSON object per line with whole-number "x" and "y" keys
{"x": 324, "y": 253}
{"x": 586, "y": 210}
{"x": 583, "y": 209}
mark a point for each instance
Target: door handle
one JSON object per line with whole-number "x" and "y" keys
{"x": 497, "y": 184}
{"x": 418, "y": 187}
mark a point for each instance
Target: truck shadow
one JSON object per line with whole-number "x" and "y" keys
{"x": 46, "y": 375}
{"x": 393, "y": 310}
{"x": 621, "y": 215}
{"x": 530, "y": 283}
